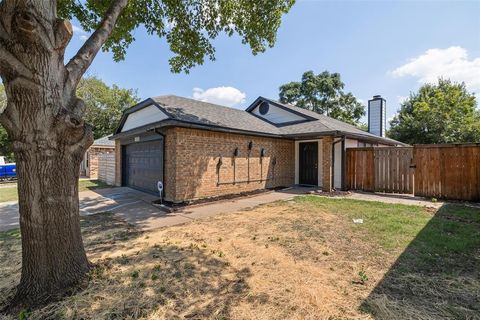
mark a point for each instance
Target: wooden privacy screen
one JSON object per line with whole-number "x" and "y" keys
{"x": 360, "y": 169}
{"x": 393, "y": 172}
{"x": 380, "y": 169}
{"x": 448, "y": 171}
{"x": 106, "y": 168}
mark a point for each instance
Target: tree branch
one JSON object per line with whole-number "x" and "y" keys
{"x": 77, "y": 66}
{"x": 11, "y": 66}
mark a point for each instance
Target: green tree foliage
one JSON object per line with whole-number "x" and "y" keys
{"x": 438, "y": 113}
{"x": 105, "y": 104}
{"x": 104, "y": 107}
{"x": 323, "y": 93}
{"x": 188, "y": 26}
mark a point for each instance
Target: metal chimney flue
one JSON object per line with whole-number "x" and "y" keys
{"x": 377, "y": 115}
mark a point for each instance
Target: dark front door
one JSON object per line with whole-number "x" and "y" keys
{"x": 308, "y": 163}
{"x": 143, "y": 165}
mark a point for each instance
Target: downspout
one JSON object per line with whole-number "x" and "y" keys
{"x": 342, "y": 140}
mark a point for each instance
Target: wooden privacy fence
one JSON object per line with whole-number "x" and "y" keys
{"x": 449, "y": 171}
{"x": 380, "y": 169}
{"x": 106, "y": 168}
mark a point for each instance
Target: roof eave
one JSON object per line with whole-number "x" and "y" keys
{"x": 188, "y": 124}
{"x": 337, "y": 133}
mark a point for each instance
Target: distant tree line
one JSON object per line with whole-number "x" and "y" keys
{"x": 323, "y": 93}
{"x": 444, "y": 112}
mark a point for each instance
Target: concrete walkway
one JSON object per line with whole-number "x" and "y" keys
{"x": 395, "y": 199}
{"x": 136, "y": 207}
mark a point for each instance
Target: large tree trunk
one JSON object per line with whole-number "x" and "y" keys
{"x": 53, "y": 257}
{"x": 43, "y": 119}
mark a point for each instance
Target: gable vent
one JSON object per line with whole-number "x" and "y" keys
{"x": 263, "y": 108}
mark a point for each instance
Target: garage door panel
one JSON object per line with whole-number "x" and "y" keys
{"x": 144, "y": 165}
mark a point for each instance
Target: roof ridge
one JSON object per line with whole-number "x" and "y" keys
{"x": 196, "y": 100}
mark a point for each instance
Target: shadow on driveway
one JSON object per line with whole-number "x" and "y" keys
{"x": 133, "y": 205}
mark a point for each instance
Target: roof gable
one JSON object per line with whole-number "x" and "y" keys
{"x": 144, "y": 113}
{"x": 276, "y": 113}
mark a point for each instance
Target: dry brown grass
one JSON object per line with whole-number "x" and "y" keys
{"x": 287, "y": 260}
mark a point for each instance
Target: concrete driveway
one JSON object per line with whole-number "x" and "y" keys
{"x": 117, "y": 200}
{"x": 135, "y": 207}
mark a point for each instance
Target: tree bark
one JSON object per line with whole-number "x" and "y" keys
{"x": 43, "y": 119}
{"x": 53, "y": 257}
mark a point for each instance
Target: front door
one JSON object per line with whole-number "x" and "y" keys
{"x": 308, "y": 163}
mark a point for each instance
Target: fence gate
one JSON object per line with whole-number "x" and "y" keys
{"x": 449, "y": 171}
{"x": 106, "y": 168}
{"x": 380, "y": 169}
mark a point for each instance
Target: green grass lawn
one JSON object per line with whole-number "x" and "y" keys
{"x": 295, "y": 259}
{"x": 437, "y": 272}
{"x": 10, "y": 193}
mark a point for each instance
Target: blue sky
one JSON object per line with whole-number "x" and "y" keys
{"x": 378, "y": 47}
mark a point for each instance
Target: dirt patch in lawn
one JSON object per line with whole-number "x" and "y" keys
{"x": 298, "y": 259}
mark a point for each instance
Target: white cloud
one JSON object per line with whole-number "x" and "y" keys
{"x": 227, "y": 96}
{"x": 452, "y": 63}
{"x": 77, "y": 29}
{"x": 82, "y": 34}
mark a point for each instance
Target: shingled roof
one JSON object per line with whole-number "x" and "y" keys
{"x": 322, "y": 124}
{"x": 189, "y": 112}
{"x": 194, "y": 111}
{"x": 104, "y": 142}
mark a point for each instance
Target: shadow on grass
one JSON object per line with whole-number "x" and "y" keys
{"x": 438, "y": 275}
{"x": 135, "y": 278}
{"x": 92, "y": 185}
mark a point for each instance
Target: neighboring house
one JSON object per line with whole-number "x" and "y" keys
{"x": 199, "y": 149}
{"x": 90, "y": 164}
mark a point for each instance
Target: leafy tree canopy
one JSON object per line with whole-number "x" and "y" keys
{"x": 438, "y": 113}
{"x": 323, "y": 93}
{"x": 104, "y": 107}
{"x": 104, "y": 104}
{"x": 188, "y": 26}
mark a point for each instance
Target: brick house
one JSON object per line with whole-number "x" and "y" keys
{"x": 199, "y": 149}
{"x": 90, "y": 164}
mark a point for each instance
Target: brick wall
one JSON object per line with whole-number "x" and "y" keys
{"x": 192, "y": 158}
{"x": 327, "y": 164}
{"x": 170, "y": 164}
